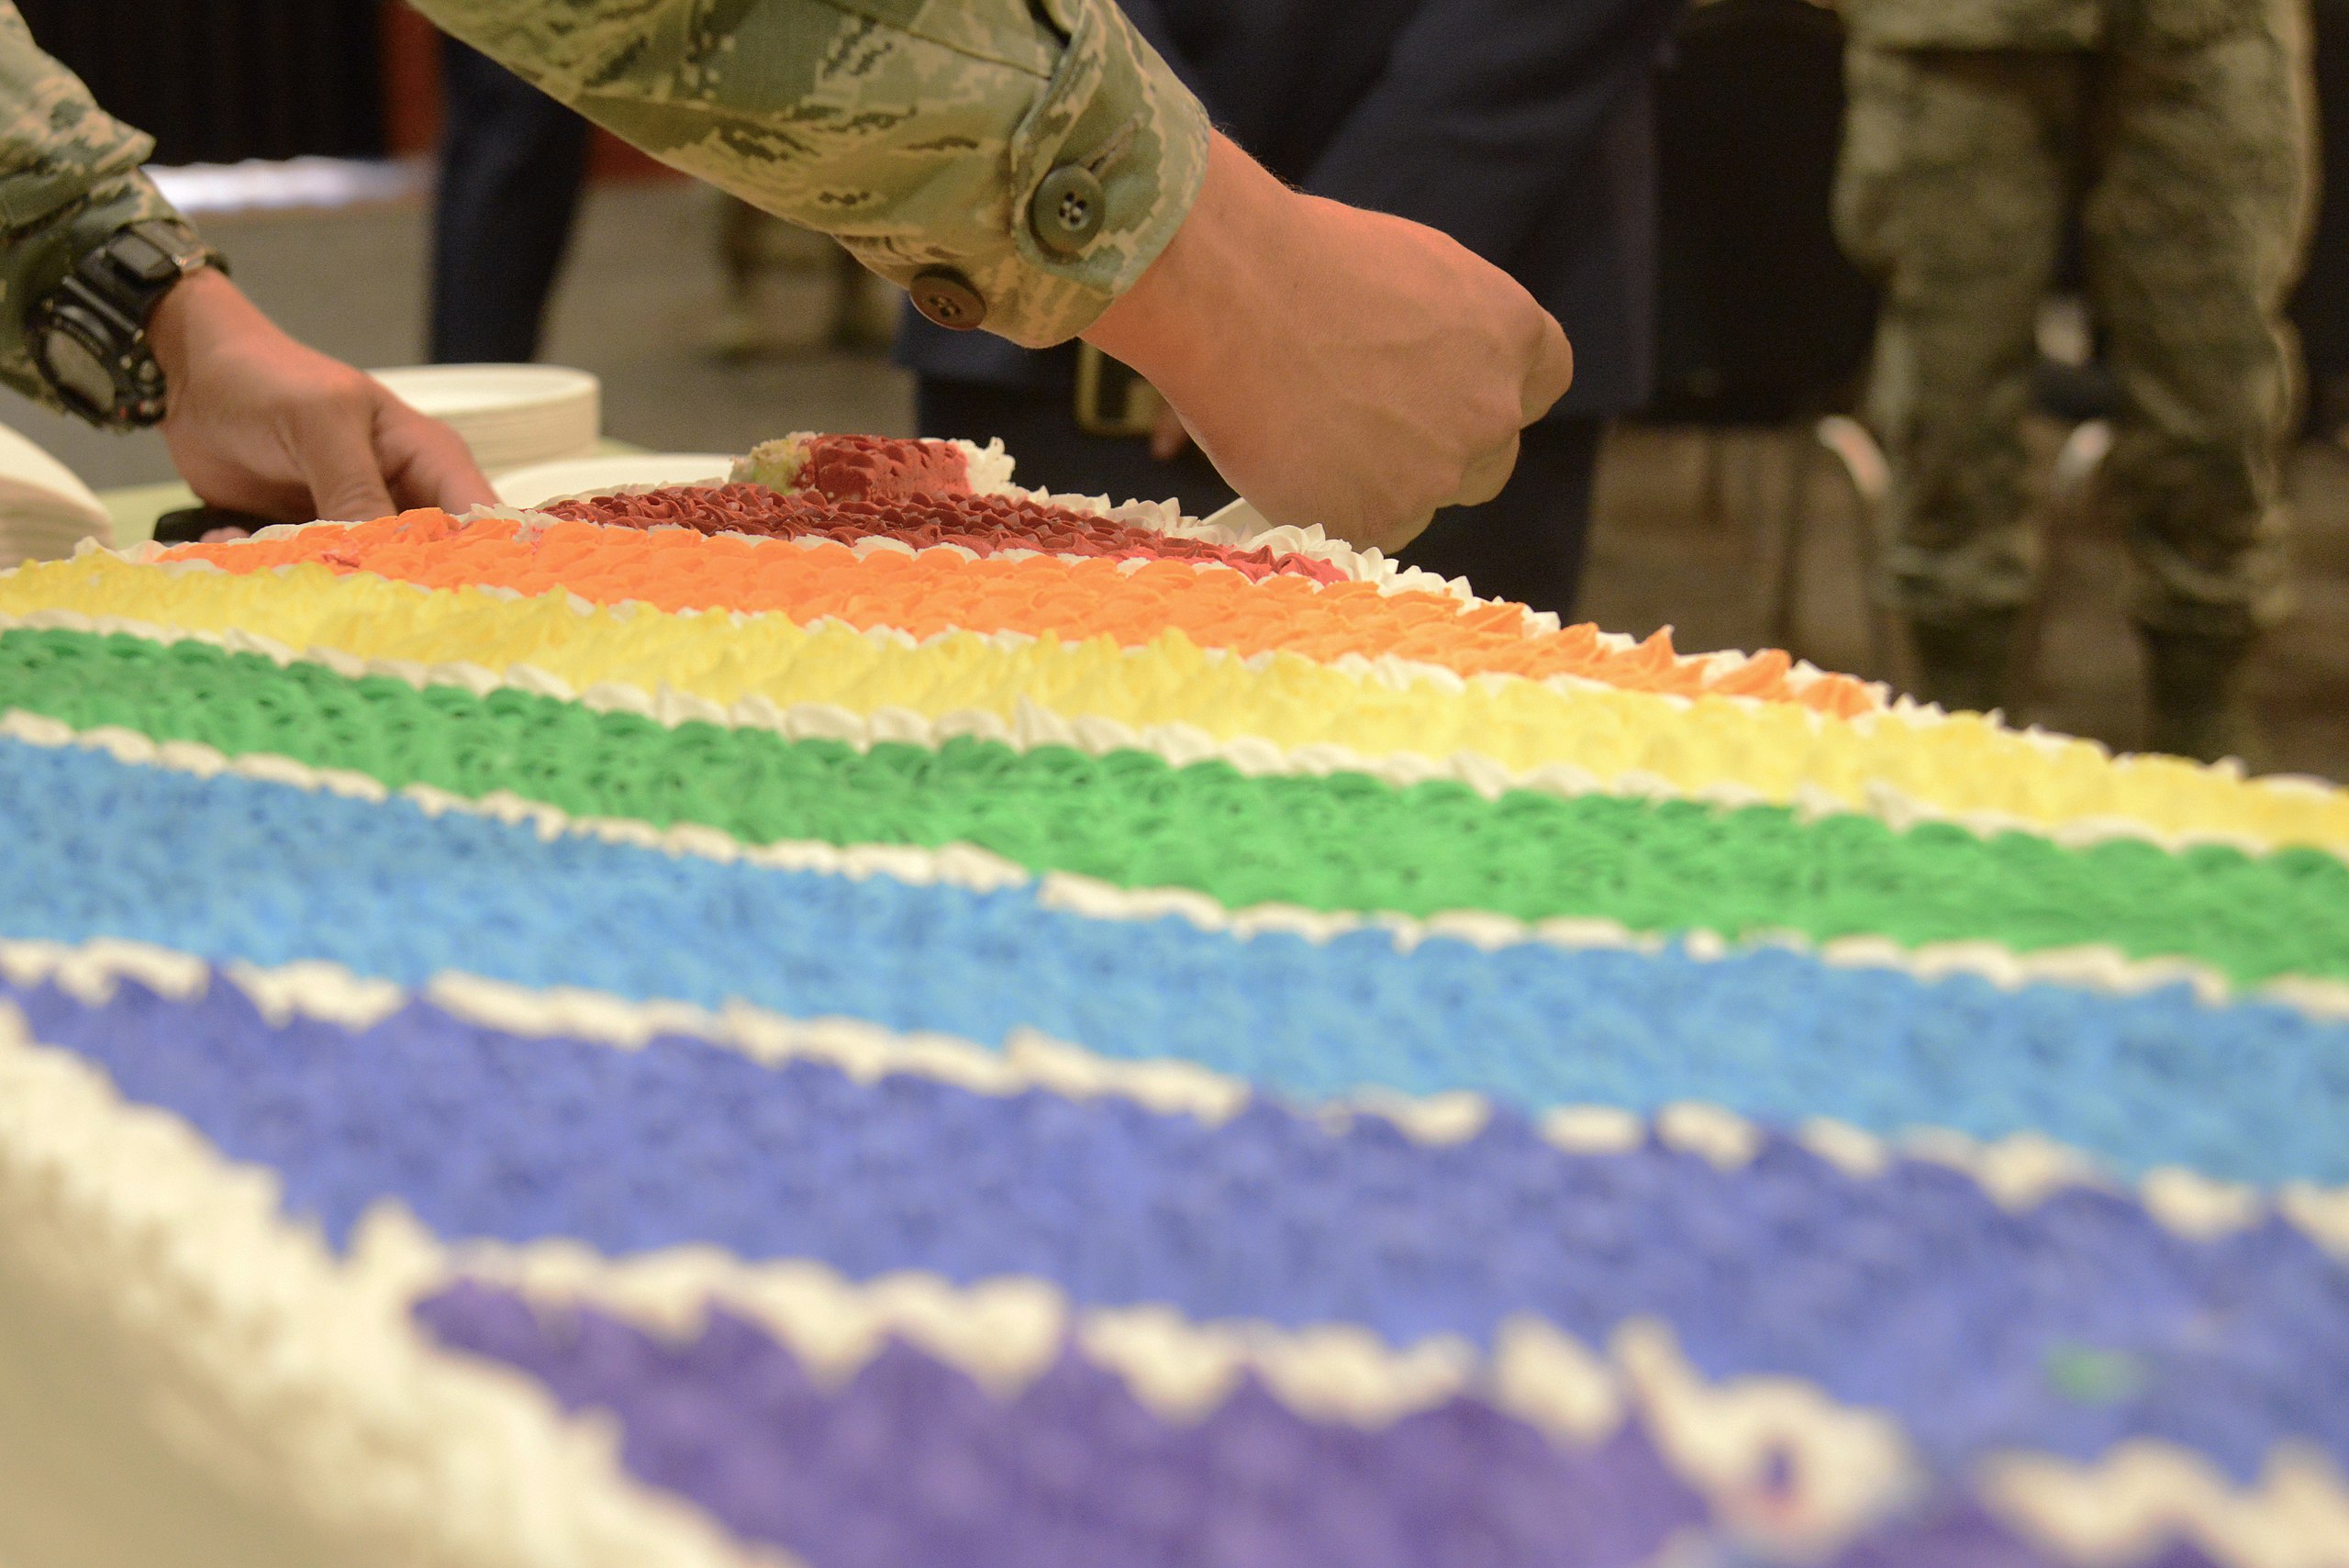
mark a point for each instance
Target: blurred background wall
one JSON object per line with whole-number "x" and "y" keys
{"x": 217, "y": 80}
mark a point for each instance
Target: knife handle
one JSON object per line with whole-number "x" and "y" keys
{"x": 189, "y": 524}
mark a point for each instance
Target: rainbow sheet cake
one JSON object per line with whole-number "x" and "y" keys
{"x": 863, "y": 1018}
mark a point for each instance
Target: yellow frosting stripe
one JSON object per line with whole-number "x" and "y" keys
{"x": 1962, "y": 765}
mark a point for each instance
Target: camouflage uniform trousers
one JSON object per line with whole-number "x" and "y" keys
{"x": 2184, "y": 144}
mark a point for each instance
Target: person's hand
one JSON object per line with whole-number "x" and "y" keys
{"x": 259, "y": 423}
{"x": 1338, "y": 366}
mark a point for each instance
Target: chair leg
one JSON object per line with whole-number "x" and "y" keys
{"x": 2073, "y": 486}
{"x": 1863, "y": 462}
{"x": 1787, "y": 587}
{"x": 2083, "y": 454}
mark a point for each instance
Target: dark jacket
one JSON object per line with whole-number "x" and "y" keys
{"x": 1524, "y": 128}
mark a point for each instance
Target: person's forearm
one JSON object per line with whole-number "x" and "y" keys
{"x": 204, "y": 313}
{"x": 1234, "y": 223}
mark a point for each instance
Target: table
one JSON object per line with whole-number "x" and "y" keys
{"x": 135, "y": 507}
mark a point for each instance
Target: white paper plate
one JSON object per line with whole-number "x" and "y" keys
{"x": 31, "y": 480}
{"x": 544, "y": 481}
{"x": 45, "y": 511}
{"x": 44, "y": 536}
{"x": 510, "y": 416}
{"x": 450, "y": 391}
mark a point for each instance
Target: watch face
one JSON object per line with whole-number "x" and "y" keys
{"x": 78, "y": 371}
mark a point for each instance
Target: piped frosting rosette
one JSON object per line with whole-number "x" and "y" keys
{"x": 957, "y": 1025}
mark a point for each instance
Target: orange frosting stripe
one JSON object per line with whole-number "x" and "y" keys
{"x": 1072, "y": 597}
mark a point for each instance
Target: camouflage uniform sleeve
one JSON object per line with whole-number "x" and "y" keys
{"x": 69, "y": 176}
{"x": 916, "y": 131}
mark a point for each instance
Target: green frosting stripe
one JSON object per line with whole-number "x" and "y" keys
{"x": 1346, "y": 842}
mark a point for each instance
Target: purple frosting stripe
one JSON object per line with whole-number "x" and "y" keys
{"x": 910, "y": 1464}
{"x": 1956, "y": 1532}
{"x": 2064, "y": 1329}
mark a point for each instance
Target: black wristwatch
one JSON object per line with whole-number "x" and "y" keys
{"x": 88, "y": 335}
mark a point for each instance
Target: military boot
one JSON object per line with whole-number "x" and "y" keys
{"x": 1966, "y": 665}
{"x": 2194, "y": 701}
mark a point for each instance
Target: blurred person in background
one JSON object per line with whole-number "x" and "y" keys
{"x": 756, "y": 250}
{"x": 1033, "y": 167}
{"x": 1524, "y": 128}
{"x": 2179, "y": 133}
{"x": 118, "y": 313}
{"x": 512, "y": 165}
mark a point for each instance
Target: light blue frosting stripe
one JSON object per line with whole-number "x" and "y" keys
{"x": 232, "y": 868}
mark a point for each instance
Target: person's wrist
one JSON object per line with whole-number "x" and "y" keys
{"x": 1172, "y": 323}
{"x": 200, "y": 309}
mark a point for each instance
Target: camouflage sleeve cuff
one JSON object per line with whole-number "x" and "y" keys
{"x": 34, "y": 261}
{"x": 919, "y": 132}
{"x": 1115, "y": 110}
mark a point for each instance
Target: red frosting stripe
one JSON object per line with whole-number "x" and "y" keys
{"x": 982, "y": 524}
{"x": 878, "y": 468}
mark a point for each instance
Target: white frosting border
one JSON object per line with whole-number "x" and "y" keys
{"x": 1391, "y": 670}
{"x": 991, "y": 470}
{"x": 2097, "y": 967}
{"x": 1882, "y": 800}
{"x": 2130, "y": 1502}
{"x": 1164, "y": 517}
{"x": 313, "y": 1372}
{"x": 2018, "y": 1172}
{"x": 300, "y": 1368}
{"x": 1374, "y": 565}
{"x": 1032, "y": 725}
{"x": 318, "y": 1378}
{"x": 1851, "y": 1466}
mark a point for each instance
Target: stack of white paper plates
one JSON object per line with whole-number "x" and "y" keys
{"x": 45, "y": 511}
{"x": 510, "y": 415}
{"x": 544, "y": 481}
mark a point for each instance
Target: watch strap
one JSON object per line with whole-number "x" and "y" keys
{"x": 104, "y": 303}
{"x": 138, "y": 264}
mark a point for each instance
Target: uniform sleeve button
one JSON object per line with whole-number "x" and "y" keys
{"x": 947, "y": 297}
{"x": 1068, "y": 210}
